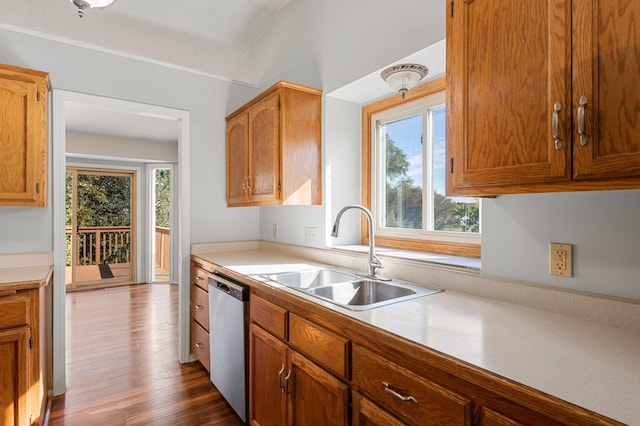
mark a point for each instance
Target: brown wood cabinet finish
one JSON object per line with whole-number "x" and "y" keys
{"x": 316, "y": 397}
{"x": 267, "y": 371}
{"x": 516, "y": 74}
{"x": 23, "y": 136}
{"x": 24, "y": 353}
{"x": 324, "y": 347}
{"x": 199, "y": 308}
{"x": 414, "y": 399}
{"x": 366, "y": 413}
{"x": 14, "y": 379}
{"x": 274, "y": 148}
{"x": 286, "y": 387}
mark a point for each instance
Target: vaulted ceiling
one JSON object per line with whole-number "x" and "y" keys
{"x": 174, "y": 33}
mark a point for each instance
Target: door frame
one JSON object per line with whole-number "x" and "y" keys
{"x": 136, "y": 233}
{"x": 183, "y": 229}
{"x": 150, "y": 168}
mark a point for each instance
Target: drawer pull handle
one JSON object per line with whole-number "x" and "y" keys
{"x": 395, "y": 394}
{"x": 199, "y": 307}
{"x": 199, "y": 345}
{"x": 280, "y": 384}
{"x": 199, "y": 278}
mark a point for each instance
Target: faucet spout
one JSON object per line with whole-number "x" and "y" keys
{"x": 374, "y": 262}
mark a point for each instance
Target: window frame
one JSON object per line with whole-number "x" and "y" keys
{"x": 409, "y": 242}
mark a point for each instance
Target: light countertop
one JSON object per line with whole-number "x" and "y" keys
{"x": 23, "y": 271}
{"x": 591, "y": 365}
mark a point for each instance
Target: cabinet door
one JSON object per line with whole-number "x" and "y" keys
{"x": 316, "y": 397}
{"x": 267, "y": 365}
{"x": 264, "y": 150}
{"x": 366, "y": 413}
{"x": 14, "y": 376}
{"x": 508, "y": 64}
{"x": 606, "y": 54}
{"x": 237, "y": 159}
{"x": 23, "y": 141}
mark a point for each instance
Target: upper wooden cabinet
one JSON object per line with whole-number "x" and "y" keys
{"x": 274, "y": 148}
{"x": 539, "y": 95}
{"x": 23, "y": 136}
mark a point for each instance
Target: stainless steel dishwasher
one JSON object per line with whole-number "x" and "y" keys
{"x": 228, "y": 336}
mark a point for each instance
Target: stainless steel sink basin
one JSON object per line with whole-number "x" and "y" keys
{"x": 310, "y": 278}
{"x": 366, "y": 294}
{"x": 349, "y": 290}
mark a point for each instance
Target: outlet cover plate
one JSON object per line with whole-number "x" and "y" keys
{"x": 561, "y": 259}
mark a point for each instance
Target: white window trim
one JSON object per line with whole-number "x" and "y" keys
{"x": 377, "y": 167}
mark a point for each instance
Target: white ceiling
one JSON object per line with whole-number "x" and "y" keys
{"x": 169, "y": 32}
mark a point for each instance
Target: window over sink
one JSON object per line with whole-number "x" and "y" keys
{"x": 404, "y": 173}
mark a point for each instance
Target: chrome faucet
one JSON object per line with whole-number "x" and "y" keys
{"x": 374, "y": 262}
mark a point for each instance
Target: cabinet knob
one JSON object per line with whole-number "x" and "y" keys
{"x": 387, "y": 389}
{"x": 581, "y": 122}
{"x": 199, "y": 345}
{"x": 199, "y": 307}
{"x": 555, "y": 126}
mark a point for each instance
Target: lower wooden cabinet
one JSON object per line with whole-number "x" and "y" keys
{"x": 309, "y": 365}
{"x": 200, "y": 315}
{"x": 366, "y": 413}
{"x": 24, "y": 353}
{"x": 417, "y": 401}
{"x": 267, "y": 373}
{"x": 14, "y": 377}
{"x": 286, "y": 388}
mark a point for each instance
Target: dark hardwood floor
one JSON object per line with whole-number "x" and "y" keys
{"x": 122, "y": 363}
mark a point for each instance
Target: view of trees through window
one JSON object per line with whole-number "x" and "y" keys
{"x": 405, "y": 168}
{"x": 163, "y": 197}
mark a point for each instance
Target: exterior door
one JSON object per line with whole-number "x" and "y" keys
{"x": 100, "y": 227}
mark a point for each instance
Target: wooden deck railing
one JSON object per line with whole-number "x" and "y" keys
{"x": 163, "y": 238}
{"x": 103, "y": 245}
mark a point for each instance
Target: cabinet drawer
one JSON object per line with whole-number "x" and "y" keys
{"x": 13, "y": 312}
{"x": 271, "y": 317}
{"x": 326, "y": 348}
{"x": 386, "y": 383}
{"x": 200, "y": 306}
{"x": 200, "y": 344}
{"x": 200, "y": 277}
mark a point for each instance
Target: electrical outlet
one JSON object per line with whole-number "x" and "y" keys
{"x": 560, "y": 259}
{"x": 309, "y": 233}
{"x": 274, "y": 231}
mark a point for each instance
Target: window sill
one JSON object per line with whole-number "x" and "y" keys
{"x": 419, "y": 256}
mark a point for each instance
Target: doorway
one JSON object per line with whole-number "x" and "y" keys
{"x": 61, "y": 100}
{"x": 161, "y": 190}
{"x": 100, "y": 228}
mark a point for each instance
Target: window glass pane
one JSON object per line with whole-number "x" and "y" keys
{"x": 403, "y": 172}
{"x": 456, "y": 214}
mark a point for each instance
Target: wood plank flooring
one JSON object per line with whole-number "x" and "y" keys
{"x": 122, "y": 363}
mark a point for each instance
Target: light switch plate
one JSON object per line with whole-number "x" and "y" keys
{"x": 561, "y": 259}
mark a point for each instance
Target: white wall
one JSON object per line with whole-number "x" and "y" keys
{"x": 26, "y": 229}
{"x": 338, "y": 42}
{"x": 144, "y": 150}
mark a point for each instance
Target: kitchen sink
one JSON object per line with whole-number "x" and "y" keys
{"x": 310, "y": 278}
{"x": 349, "y": 290}
{"x": 366, "y": 294}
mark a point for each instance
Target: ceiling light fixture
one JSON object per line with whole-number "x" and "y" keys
{"x": 90, "y": 4}
{"x": 403, "y": 77}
